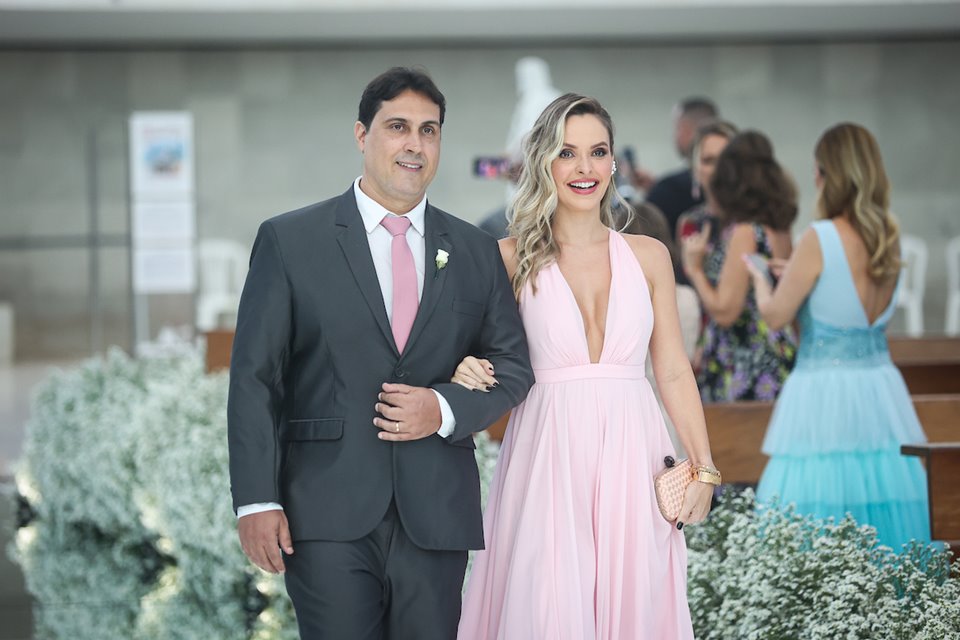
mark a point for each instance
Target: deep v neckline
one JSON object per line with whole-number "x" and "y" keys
{"x": 576, "y": 305}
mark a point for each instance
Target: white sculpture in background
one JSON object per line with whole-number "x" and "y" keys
{"x": 535, "y": 91}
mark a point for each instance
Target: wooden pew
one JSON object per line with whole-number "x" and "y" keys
{"x": 942, "y": 461}
{"x": 928, "y": 365}
{"x": 219, "y": 346}
{"x": 497, "y": 429}
{"x": 737, "y": 429}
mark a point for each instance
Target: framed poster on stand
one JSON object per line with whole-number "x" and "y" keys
{"x": 162, "y": 224}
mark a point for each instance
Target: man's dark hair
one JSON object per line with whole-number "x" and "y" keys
{"x": 391, "y": 83}
{"x": 698, "y": 108}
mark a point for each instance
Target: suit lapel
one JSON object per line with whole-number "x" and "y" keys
{"x": 435, "y": 237}
{"x": 352, "y": 237}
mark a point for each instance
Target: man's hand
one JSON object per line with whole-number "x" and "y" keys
{"x": 409, "y": 413}
{"x": 262, "y": 535}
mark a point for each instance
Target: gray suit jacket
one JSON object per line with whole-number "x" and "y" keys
{"x": 312, "y": 347}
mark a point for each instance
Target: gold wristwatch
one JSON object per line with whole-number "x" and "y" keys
{"x": 707, "y": 474}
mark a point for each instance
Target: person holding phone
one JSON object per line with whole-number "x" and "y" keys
{"x": 834, "y": 439}
{"x": 673, "y": 193}
{"x": 710, "y": 139}
{"x": 741, "y": 358}
{"x": 709, "y": 142}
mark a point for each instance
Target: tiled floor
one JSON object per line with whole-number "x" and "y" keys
{"x": 17, "y": 385}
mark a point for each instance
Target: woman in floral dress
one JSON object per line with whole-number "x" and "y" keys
{"x": 741, "y": 358}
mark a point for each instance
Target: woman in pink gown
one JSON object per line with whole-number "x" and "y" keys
{"x": 576, "y": 546}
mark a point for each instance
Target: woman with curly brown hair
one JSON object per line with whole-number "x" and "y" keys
{"x": 756, "y": 204}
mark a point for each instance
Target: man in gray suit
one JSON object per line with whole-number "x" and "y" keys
{"x": 350, "y": 450}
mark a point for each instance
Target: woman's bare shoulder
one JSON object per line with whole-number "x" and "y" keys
{"x": 508, "y": 248}
{"x": 508, "y": 251}
{"x": 650, "y": 252}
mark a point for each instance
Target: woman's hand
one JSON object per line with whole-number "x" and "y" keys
{"x": 761, "y": 284}
{"x": 777, "y": 266}
{"x": 475, "y": 374}
{"x": 696, "y": 503}
{"x": 694, "y": 248}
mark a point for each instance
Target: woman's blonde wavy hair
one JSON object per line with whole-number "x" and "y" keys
{"x": 535, "y": 202}
{"x": 855, "y": 183}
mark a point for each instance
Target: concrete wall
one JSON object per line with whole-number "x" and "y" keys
{"x": 274, "y": 132}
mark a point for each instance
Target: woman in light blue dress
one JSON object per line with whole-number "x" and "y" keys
{"x": 834, "y": 439}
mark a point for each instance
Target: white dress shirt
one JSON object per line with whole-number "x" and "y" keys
{"x": 372, "y": 212}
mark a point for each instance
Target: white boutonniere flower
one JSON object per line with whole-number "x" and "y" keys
{"x": 441, "y": 260}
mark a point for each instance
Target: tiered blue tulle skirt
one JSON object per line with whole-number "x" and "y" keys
{"x": 834, "y": 440}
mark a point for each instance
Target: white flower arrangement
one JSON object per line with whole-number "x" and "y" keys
{"x": 182, "y": 492}
{"x": 487, "y": 452}
{"x": 85, "y": 586}
{"x": 135, "y": 452}
{"x": 766, "y": 572}
{"x": 78, "y": 448}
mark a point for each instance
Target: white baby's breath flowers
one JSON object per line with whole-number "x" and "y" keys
{"x": 765, "y": 572}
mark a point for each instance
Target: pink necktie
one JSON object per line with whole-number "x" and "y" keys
{"x": 405, "y": 301}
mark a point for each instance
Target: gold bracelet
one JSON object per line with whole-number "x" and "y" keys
{"x": 708, "y": 475}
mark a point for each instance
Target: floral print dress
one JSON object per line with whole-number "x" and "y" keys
{"x": 745, "y": 361}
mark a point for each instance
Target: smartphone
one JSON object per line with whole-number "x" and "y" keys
{"x": 760, "y": 263}
{"x": 689, "y": 227}
{"x": 491, "y": 167}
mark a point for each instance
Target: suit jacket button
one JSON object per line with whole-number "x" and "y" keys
{"x": 400, "y": 373}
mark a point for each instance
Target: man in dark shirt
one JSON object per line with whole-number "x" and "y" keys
{"x": 673, "y": 192}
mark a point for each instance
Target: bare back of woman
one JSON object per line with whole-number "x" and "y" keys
{"x": 874, "y": 297}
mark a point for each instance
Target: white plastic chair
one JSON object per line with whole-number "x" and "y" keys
{"x": 952, "y": 326}
{"x": 913, "y": 278}
{"x": 223, "y": 269}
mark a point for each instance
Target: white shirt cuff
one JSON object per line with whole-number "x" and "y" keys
{"x": 250, "y": 509}
{"x": 447, "y": 421}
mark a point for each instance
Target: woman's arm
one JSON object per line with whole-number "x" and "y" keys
{"x": 477, "y": 373}
{"x": 724, "y": 302}
{"x": 675, "y": 379}
{"x": 779, "y": 307}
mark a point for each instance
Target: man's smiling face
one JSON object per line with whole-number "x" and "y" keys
{"x": 401, "y": 151}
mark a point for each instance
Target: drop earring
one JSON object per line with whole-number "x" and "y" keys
{"x": 614, "y": 169}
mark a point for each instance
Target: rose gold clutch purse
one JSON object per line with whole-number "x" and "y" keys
{"x": 670, "y": 486}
